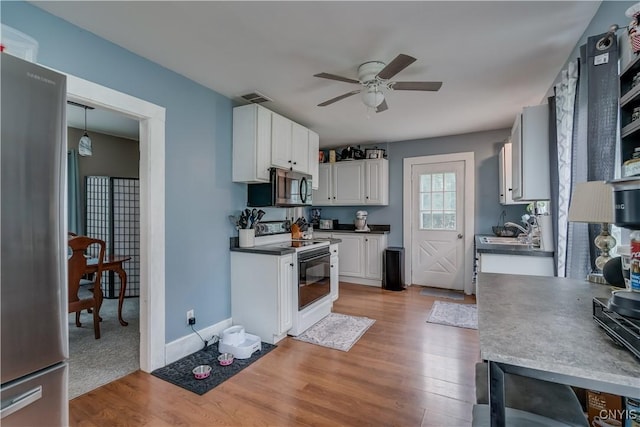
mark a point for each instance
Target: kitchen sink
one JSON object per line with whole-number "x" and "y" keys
{"x": 490, "y": 240}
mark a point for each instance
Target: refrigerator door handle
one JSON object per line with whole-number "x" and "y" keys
{"x": 14, "y": 404}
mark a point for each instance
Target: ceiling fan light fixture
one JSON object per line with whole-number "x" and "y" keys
{"x": 372, "y": 97}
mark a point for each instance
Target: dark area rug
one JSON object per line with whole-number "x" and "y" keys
{"x": 180, "y": 372}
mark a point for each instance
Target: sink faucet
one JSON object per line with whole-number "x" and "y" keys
{"x": 519, "y": 227}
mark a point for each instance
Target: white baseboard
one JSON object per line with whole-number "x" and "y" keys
{"x": 191, "y": 343}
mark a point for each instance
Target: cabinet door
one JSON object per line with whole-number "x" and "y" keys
{"x": 251, "y": 144}
{"x": 505, "y": 175}
{"x": 348, "y": 183}
{"x": 281, "y": 141}
{"x": 351, "y": 255}
{"x": 335, "y": 275}
{"x": 322, "y": 196}
{"x": 314, "y": 148}
{"x": 534, "y": 157}
{"x": 376, "y": 182}
{"x": 299, "y": 148}
{"x": 285, "y": 294}
{"x": 516, "y": 158}
{"x": 373, "y": 257}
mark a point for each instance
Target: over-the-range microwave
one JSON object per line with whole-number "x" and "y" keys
{"x": 285, "y": 189}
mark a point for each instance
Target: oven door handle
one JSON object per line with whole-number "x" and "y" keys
{"x": 312, "y": 258}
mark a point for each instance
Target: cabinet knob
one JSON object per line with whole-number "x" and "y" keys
{"x": 331, "y": 265}
{"x": 367, "y": 197}
{"x": 366, "y": 240}
{"x": 295, "y": 163}
{"x": 289, "y": 161}
{"x": 334, "y": 251}
{"x": 291, "y": 264}
{"x": 459, "y": 236}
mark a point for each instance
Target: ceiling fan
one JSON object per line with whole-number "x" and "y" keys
{"x": 375, "y": 77}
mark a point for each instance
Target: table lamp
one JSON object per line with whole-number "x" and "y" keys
{"x": 592, "y": 202}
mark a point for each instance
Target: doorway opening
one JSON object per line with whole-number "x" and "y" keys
{"x": 151, "y": 120}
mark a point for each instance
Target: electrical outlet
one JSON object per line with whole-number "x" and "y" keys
{"x": 191, "y": 315}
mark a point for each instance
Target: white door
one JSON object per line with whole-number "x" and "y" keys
{"x": 322, "y": 196}
{"x": 437, "y": 225}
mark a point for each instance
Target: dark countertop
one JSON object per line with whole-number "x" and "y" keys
{"x": 545, "y": 324}
{"x": 502, "y": 249}
{"x": 350, "y": 228}
{"x": 272, "y": 249}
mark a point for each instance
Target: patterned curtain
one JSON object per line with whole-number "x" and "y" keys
{"x": 565, "y": 98}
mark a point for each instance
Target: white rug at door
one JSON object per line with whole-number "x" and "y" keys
{"x": 338, "y": 331}
{"x": 453, "y": 314}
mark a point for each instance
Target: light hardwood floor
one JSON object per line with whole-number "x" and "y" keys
{"x": 402, "y": 372}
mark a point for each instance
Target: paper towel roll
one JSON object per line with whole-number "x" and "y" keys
{"x": 546, "y": 232}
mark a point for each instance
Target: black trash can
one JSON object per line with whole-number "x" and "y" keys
{"x": 393, "y": 269}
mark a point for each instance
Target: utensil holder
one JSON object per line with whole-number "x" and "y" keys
{"x": 246, "y": 237}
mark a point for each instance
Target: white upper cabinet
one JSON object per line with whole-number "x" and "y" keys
{"x": 322, "y": 195}
{"x": 376, "y": 183}
{"x": 299, "y": 148}
{"x": 281, "y": 138}
{"x": 505, "y": 176}
{"x": 348, "y": 183}
{"x": 314, "y": 148}
{"x": 263, "y": 139}
{"x": 251, "y": 143}
{"x": 289, "y": 144}
{"x": 530, "y": 154}
{"x": 353, "y": 183}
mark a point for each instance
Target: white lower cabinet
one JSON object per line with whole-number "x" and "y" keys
{"x": 335, "y": 275}
{"x": 360, "y": 256}
{"x": 262, "y": 294}
{"x": 516, "y": 264}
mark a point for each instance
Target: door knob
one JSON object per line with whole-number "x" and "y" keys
{"x": 459, "y": 236}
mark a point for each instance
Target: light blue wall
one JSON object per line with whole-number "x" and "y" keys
{"x": 199, "y": 192}
{"x": 484, "y": 145}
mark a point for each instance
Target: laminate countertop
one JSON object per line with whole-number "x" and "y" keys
{"x": 544, "y": 325}
{"x": 505, "y": 249}
{"x": 275, "y": 249}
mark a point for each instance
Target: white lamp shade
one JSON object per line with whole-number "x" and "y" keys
{"x": 84, "y": 145}
{"x": 592, "y": 202}
{"x": 372, "y": 97}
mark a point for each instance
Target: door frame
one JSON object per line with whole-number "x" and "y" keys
{"x": 469, "y": 209}
{"x": 151, "y": 120}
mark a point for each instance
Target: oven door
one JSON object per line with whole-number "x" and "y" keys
{"x": 314, "y": 276}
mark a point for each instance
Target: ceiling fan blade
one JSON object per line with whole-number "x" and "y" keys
{"x": 398, "y": 64}
{"x": 382, "y": 107}
{"x": 338, "y": 98}
{"x": 430, "y": 86}
{"x": 334, "y": 77}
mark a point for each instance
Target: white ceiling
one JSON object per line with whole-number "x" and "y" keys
{"x": 493, "y": 57}
{"x": 103, "y": 121}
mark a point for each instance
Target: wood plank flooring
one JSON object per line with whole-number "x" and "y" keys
{"x": 402, "y": 372}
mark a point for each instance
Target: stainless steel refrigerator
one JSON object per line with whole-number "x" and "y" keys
{"x": 33, "y": 247}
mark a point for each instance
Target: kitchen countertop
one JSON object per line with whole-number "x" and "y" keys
{"x": 272, "y": 249}
{"x": 502, "y": 249}
{"x": 545, "y": 326}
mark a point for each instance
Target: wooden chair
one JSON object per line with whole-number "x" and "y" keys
{"x": 77, "y": 267}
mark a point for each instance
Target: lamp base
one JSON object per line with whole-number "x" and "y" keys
{"x": 596, "y": 278}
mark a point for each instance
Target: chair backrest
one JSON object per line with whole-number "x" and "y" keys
{"x": 78, "y": 263}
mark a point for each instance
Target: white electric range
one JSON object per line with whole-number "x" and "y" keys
{"x": 311, "y": 299}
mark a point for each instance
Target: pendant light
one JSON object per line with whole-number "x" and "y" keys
{"x": 84, "y": 146}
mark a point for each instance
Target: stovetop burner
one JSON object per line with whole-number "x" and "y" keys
{"x": 623, "y": 330}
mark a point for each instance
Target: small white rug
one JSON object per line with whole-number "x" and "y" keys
{"x": 453, "y": 314}
{"x": 338, "y": 331}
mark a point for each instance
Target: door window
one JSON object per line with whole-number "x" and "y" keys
{"x": 438, "y": 201}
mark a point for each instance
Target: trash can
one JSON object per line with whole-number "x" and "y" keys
{"x": 393, "y": 269}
